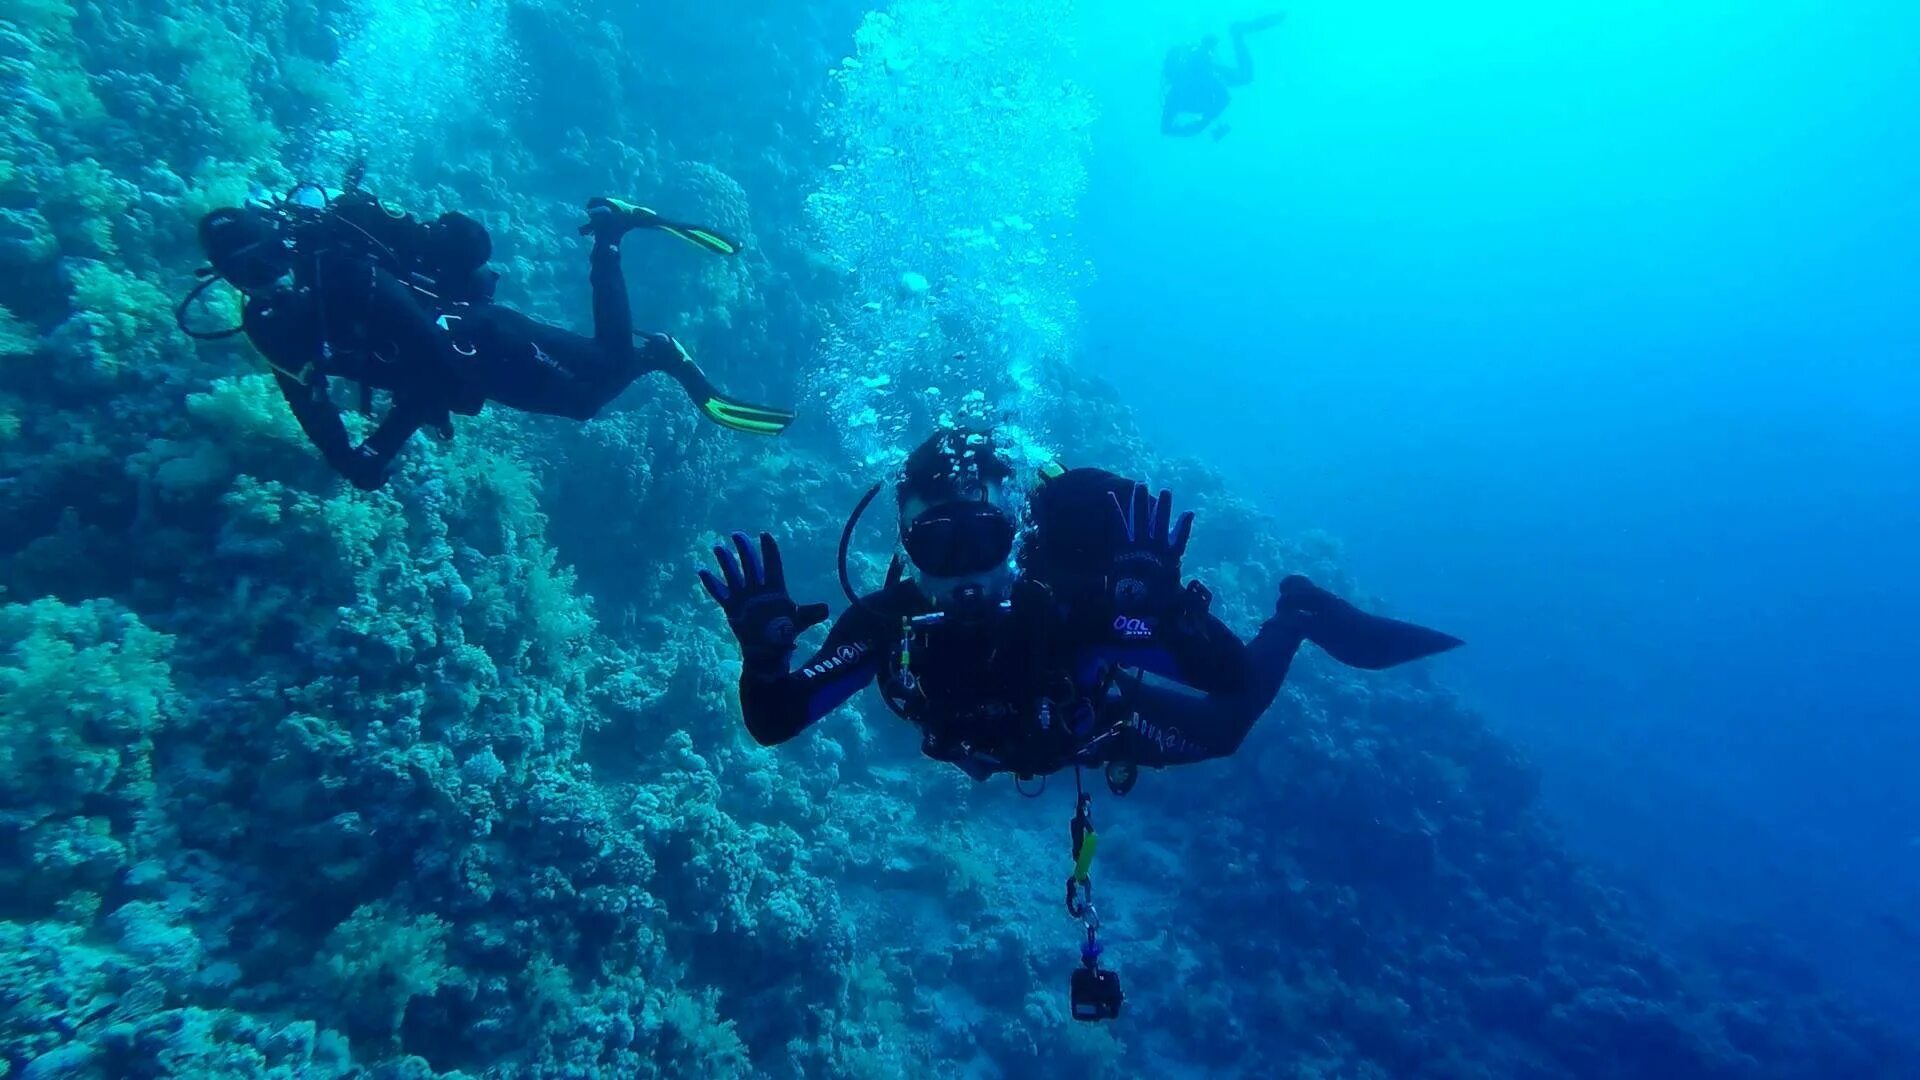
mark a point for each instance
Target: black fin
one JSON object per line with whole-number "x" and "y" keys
{"x": 1354, "y": 637}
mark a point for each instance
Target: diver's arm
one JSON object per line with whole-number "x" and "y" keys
{"x": 365, "y": 466}
{"x": 778, "y": 704}
{"x": 374, "y": 456}
{"x": 318, "y": 417}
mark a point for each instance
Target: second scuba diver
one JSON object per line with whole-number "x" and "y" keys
{"x": 1196, "y": 88}
{"x": 1091, "y": 654}
{"x": 352, "y": 289}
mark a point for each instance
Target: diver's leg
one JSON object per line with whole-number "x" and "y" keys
{"x": 537, "y": 367}
{"x": 623, "y": 360}
{"x": 612, "y": 311}
{"x": 663, "y": 353}
{"x": 1169, "y": 724}
{"x": 1241, "y": 73}
{"x": 565, "y": 374}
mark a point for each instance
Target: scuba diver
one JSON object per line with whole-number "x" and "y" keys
{"x": 346, "y": 286}
{"x": 1196, "y": 88}
{"x": 1092, "y": 654}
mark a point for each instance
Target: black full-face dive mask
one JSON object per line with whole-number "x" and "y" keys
{"x": 957, "y": 539}
{"x": 960, "y": 538}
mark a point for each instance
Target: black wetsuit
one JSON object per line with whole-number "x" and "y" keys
{"x": 438, "y": 349}
{"x": 1197, "y": 88}
{"x": 1196, "y": 91}
{"x": 1032, "y": 696}
{"x": 1062, "y": 675}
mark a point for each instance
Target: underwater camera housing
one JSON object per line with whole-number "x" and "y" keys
{"x": 1095, "y": 994}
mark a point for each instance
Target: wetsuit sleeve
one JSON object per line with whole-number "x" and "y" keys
{"x": 318, "y": 417}
{"x": 1171, "y": 725}
{"x": 376, "y": 452}
{"x": 364, "y": 466}
{"x": 778, "y": 705}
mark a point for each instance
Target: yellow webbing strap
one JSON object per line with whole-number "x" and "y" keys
{"x": 1085, "y": 859}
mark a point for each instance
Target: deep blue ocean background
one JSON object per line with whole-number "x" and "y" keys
{"x": 1589, "y": 333}
{"x": 1586, "y": 334}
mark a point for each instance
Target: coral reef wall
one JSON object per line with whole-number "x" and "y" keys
{"x": 448, "y": 779}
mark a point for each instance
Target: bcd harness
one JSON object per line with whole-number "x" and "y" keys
{"x": 1094, "y": 992}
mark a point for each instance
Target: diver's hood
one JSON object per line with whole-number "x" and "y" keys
{"x": 246, "y": 245}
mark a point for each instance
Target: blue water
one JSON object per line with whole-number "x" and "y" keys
{"x": 1590, "y": 332}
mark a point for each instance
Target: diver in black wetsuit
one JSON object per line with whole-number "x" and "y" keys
{"x": 1196, "y": 88}
{"x": 351, "y": 289}
{"x": 1092, "y": 654}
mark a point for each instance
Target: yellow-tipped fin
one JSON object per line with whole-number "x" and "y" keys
{"x": 703, "y": 238}
{"x": 740, "y": 416}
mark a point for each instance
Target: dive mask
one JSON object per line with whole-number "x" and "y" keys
{"x": 248, "y": 246}
{"x": 957, "y": 539}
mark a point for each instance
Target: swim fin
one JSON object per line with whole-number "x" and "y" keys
{"x": 665, "y": 354}
{"x": 740, "y": 416}
{"x": 624, "y": 215}
{"x": 1354, "y": 637}
{"x": 701, "y": 237}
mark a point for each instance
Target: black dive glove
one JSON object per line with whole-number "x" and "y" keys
{"x": 363, "y": 468}
{"x": 764, "y": 618}
{"x": 1145, "y": 575}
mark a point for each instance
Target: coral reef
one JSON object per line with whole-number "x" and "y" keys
{"x": 448, "y": 779}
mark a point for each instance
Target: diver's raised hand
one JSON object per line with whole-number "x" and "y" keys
{"x": 1145, "y": 576}
{"x": 363, "y": 467}
{"x": 752, "y": 590}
